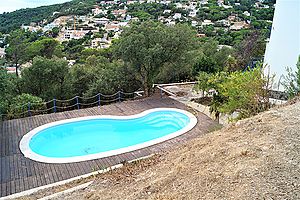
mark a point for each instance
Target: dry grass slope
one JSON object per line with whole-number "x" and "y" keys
{"x": 257, "y": 158}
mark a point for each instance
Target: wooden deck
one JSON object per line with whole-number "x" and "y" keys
{"x": 18, "y": 173}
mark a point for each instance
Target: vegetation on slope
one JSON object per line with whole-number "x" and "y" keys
{"x": 13, "y": 20}
{"x": 146, "y": 53}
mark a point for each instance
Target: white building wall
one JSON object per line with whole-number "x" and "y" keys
{"x": 283, "y": 48}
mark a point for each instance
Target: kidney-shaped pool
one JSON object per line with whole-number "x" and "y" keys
{"x": 87, "y": 138}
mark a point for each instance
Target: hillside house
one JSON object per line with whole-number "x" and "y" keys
{"x": 239, "y": 25}
{"x": 194, "y": 23}
{"x": 31, "y": 28}
{"x": 207, "y": 22}
{"x": 112, "y": 27}
{"x": 177, "y": 16}
{"x": 2, "y": 52}
{"x": 100, "y": 43}
{"x": 121, "y": 13}
{"x": 193, "y": 13}
{"x": 103, "y": 21}
{"x": 98, "y": 11}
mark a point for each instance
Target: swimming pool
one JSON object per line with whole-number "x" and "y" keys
{"x": 93, "y": 137}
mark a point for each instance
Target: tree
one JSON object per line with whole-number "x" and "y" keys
{"x": 148, "y": 46}
{"x": 213, "y": 58}
{"x": 16, "y": 51}
{"x": 46, "y": 78}
{"x": 100, "y": 75}
{"x": 142, "y": 15}
{"x": 7, "y": 89}
{"x": 73, "y": 48}
{"x": 251, "y": 47}
{"x": 207, "y": 82}
{"x": 83, "y": 75}
{"x": 242, "y": 92}
{"x": 113, "y": 78}
{"x": 46, "y": 47}
{"x": 245, "y": 93}
{"x": 205, "y": 64}
{"x": 55, "y": 32}
{"x": 80, "y": 78}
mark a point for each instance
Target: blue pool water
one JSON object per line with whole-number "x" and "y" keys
{"x": 100, "y": 135}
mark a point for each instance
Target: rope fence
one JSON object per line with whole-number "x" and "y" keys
{"x": 75, "y": 103}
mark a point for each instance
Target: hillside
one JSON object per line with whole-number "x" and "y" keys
{"x": 257, "y": 158}
{"x": 13, "y": 20}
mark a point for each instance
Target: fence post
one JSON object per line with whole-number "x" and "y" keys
{"x": 54, "y": 105}
{"x": 29, "y": 112}
{"x": 161, "y": 93}
{"x": 119, "y": 93}
{"x": 99, "y": 99}
{"x": 77, "y": 102}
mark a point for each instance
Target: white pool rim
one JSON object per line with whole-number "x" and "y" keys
{"x": 27, "y": 152}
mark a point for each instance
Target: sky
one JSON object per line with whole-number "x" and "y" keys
{"x": 12, "y": 5}
{"x": 284, "y": 46}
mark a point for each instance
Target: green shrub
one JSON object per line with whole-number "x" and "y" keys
{"x": 242, "y": 92}
{"x": 20, "y": 104}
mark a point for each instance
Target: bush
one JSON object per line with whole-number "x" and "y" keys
{"x": 242, "y": 92}
{"x": 291, "y": 82}
{"x": 20, "y": 104}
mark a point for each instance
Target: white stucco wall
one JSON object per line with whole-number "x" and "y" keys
{"x": 283, "y": 48}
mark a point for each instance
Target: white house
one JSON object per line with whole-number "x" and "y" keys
{"x": 77, "y": 34}
{"x": 31, "y": 28}
{"x": 123, "y": 24}
{"x": 226, "y": 6}
{"x": 2, "y": 52}
{"x": 193, "y": 13}
{"x": 194, "y": 23}
{"x": 49, "y": 27}
{"x": 97, "y": 41}
{"x": 177, "y": 16}
{"x": 131, "y": 2}
{"x": 101, "y": 20}
{"x": 96, "y": 11}
{"x": 223, "y": 22}
{"x": 178, "y": 5}
{"x": 128, "y": 18}
{"x": 171, "y": 23}
{"x": 246, "y": 13}
{"x": 167, "y": 11}
{"x": 203, "y": 2}
{"x": 207, "y": 22}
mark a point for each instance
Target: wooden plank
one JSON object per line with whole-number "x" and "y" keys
{"x": 5, "y": 170}
{"x": 12, "y": 174}
{"x": 25, "y": 174}
{"x": 53, "y": 176}
{"x": 8, "y": 188}
{"x": 3, "y": 189}
{"x": 65, "y": 172}
{"x": 70, "y": 170}
{"x": 98, "y": 164}
{"x": 74, "y": 169}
